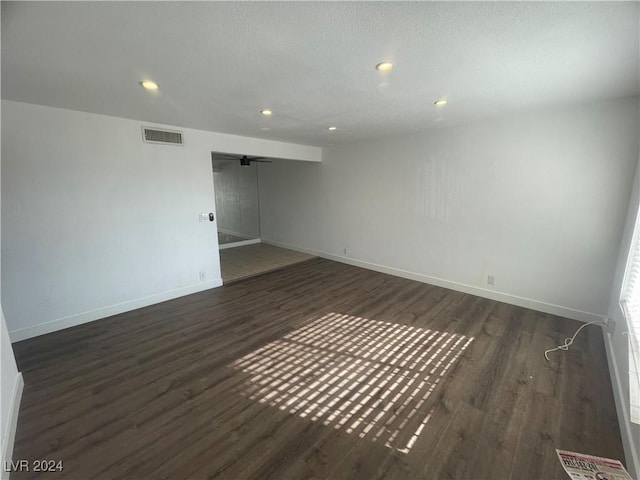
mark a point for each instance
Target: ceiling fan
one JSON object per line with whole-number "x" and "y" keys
{"x": 244, "y": 160}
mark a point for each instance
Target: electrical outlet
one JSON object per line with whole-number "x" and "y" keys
{"x": 202, "y": 276}
{"x": 344, "y": 251}
{"x": 491, "y": 280}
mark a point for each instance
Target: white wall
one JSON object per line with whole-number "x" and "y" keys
{"x": 538, "y": 200}
{"x": 10, "y": 395}
{"x": 11, "y": 384}
{"x": 617, "y": 343}
{"x": 96, "y": 222}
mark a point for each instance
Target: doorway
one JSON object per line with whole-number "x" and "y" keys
{"x": 242, "y": 253}
{"x": 237, "y": 202}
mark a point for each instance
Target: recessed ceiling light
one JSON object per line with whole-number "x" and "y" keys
{"x": 440, "y": 103}
{"x": 384, "y": 66}
{"x": 331, "y": 129}
{"x": 266, "y": 112}
{"x": 149, "y": 85}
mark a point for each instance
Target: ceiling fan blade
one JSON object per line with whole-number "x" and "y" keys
{"x": 243, "y": 159}
{"x": 226, "y": 156}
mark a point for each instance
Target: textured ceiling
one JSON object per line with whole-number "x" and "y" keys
{"x": 218, "y": 64}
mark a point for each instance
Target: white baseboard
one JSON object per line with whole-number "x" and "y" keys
{"x": 242, "y": 243}
{"x": 460, "y": 287}
{"x": 85, "y": 317}
{"x": 9, "y": 435}
{"x": 631, "y": 450}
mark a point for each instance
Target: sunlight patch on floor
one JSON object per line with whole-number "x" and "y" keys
{"x": 368, "y": 377}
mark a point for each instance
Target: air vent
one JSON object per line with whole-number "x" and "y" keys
{"x": 166, "y": 137}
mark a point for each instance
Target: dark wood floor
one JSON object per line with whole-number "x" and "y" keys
{"x": 318, "y": 370}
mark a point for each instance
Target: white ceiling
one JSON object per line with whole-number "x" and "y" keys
{"x": 219, "y": 63}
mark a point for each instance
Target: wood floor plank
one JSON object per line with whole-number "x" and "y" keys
{"x": 316, "y": 370}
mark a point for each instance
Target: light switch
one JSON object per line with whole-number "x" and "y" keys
{"x": 204, "y": 217}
